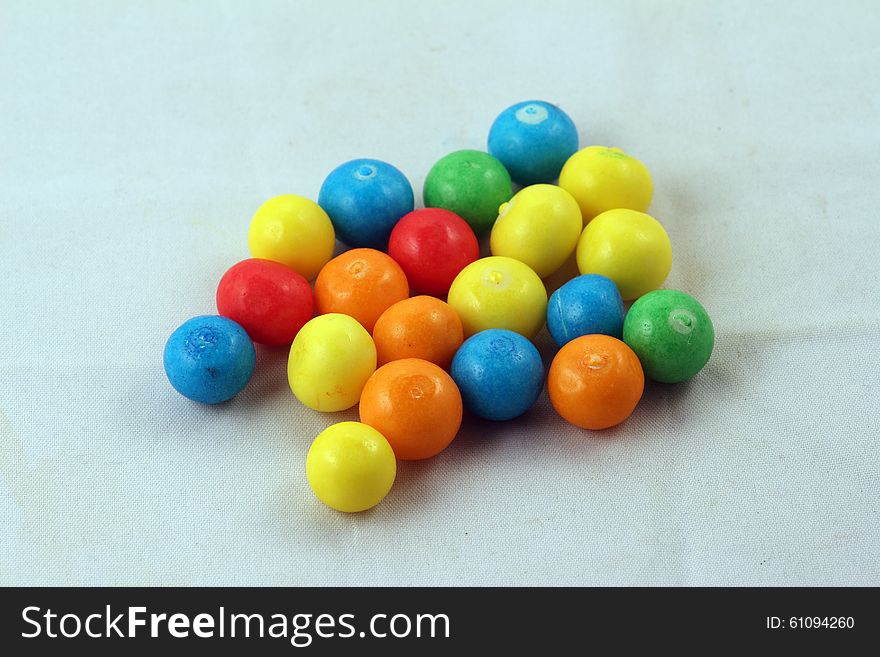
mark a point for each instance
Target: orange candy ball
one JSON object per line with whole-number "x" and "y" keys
{"x": 421, "y": 327}
{"x": 595, "y": 381}
{"x": 361, "y": 283}
{"x": 415, "y": 405}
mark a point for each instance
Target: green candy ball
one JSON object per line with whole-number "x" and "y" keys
{"x": 472, "y": 184}
{"x": 671, "y": 334}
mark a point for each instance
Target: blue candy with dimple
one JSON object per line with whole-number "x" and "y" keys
{"x": 533, "y": 139}
{"x": 499, "y": 374}
{"x": 365, "y": 199}
{"x": 586, "y": 305}
{"x": 209, "y": 359}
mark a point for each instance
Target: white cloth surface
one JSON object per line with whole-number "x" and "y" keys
{"x": 136, "y": 141}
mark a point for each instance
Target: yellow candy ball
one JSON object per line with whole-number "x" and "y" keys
{"x": 631, "y": 248}
{"x": 602, "y": 178}
{"x": 539, "y": 226}
{"x": 499, "y": 292}
{"x": 294, "y": 231}
{"x": 330, "y": 360}
{"x": 351, "y": 467}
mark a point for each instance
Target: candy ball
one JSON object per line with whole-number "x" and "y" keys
{"x": 533, "y": 139}
{"x": 586, "y": 305}
{"x": 499, "y": 374}
{"x": 294, "y": 231}
{"x": 631, "y": 248}
{"x": 499, "y": 292}
{"x": 603, "y": 179}
{"x": 350, "y": 467}
{"x": 432, "y": 245}
{"x": 415, "y": 405}
{"x": 539, "y": 226}
{"x": 209, "y": 359}
{"x": 671, "y": 333}
{"x": 269, "y": 300}
{"x": 365, "y": 199}
{"x": 472, "y": 184}
{"x": 330, "y": 360}
{"x": 362, "y": 283}
{"x": 420, "y": 327}
{"x": 595, "y": 382}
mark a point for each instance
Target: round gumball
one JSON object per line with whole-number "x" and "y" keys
{"x": 415, "y": 405}
{"x": 269, "y": 300}
{"x": 631, "y": 248}
{"x": 603, "y": 179}
{"x": 539, "y": 226}
{"x": 586, "y": 305}
{"x": 499, "y": 292}
{"x": 209, "y": 359}
{"x": 671, "y": 333}
{"x": 294, "y": 231}
{"x": 420, "y": 327}
{"x": 432, "y": 245}
{"x": 362, "y": 283}
{"x": 499, "y": 374}
{"x": 533, "y": 139}
{"x": 330, "y": 360}
{"x": 365, "y": 199}
{"x": 350, "y": 467}
{"x": 472, "y": 184}
{"x": 595, "y": 382}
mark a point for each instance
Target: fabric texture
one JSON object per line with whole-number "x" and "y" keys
{"x": 136, "y": 141}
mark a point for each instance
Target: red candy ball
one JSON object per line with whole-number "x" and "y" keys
{"x": 269, "y": 300}
{"x": 431, "y": 246}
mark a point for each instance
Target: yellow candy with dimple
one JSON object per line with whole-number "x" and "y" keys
{"x": 330, "y": 360}
{"x": 631, "y": 248}
{"x": 539, "y": 226}
{"x": 294, "y": 231}
{"x": 351, "y": 467}
{"x": 602, "y": 178}
{"x": 499, "y": 292}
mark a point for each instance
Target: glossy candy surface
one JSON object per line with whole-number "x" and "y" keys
{"x": 415, "y": 405}
{"x": 294, "y": 231}
{"x": 472, "y": 184}
{"x": 365, "y": 198}
{"x": 270, "y": 301}
{"x": 539, "y": 226}
{"x": 330, "y": 360}
{"x": 421, "y": 327}
{"x": 533, "y": 139}
{"x": 585, "y": 305}
{"x": 362, "y": 283}
{"x": 499, "y": 374}
{"x": 350, "y": 467}
{"x": 595, "y": 382}
{"x": 432, "y": 245}
{"x": 602, "y": 178}
{"x": 209, "y": 359}
{"x": 499, "y": 292}
{"x": 671, "y": 333}
{"x": 631, "y": 248}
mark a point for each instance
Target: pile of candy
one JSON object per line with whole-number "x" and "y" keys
{"x": 474, "y": 349}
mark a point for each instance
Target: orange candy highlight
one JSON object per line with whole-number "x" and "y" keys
{"x": 595, "y": 381}
{"x": 361, "y": 283}
{"x": 415, "y": 405}
{"x": 421, "y": 327}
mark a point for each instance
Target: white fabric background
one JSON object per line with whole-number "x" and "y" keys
{"x": 136, "y": 140}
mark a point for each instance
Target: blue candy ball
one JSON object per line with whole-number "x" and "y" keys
{"x": 533, "y": 139}
{"x": 209, "y": 359}
{"x": 365, "y": 199}
{"x": 586, "y": 305}
{"x": 499, "y": 374}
